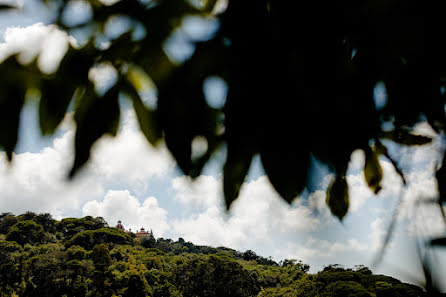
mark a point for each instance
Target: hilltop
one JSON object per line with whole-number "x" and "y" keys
{"x": 41, "y": 256}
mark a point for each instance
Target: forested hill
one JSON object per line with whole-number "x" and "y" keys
{"x": 40, "y": 256}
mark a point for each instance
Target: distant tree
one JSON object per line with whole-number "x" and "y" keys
{"x": 384, "y": 289}
{"x": 296, "y": 264}
{"x": 363, "y": 269}
{"x": 410, "y": 290}
{"x": 76, "y": 252}
{"x": 72, "y": 226}
{"x": 101, "y": 256}
{"x": 47, "y": 275}
{"x": 149, "y": 242}
{"x": 279, "y": 292}
{"x": 29, "y": 215}
{"x": 5, "y": 214}
{"x": 136, "y": 282}
{"x": 7, "y": 221}
{"x": 102, "y": 277}
{"x": 334, "y": 267}
{"x": 250, "y": 255}
{"x": 213, "y": 276}
{"x": 10, "y": 263}
{"x": 304, "y": 287}
{"x": 26, "y": 232}
{"x": 46, "y": 221}
{"x": 88, "y": 239}
{"x": 345, "y": 289}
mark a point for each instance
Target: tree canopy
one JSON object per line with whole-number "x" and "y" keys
{"x": 300, "y": 79}
{"x": 56, "y": 267}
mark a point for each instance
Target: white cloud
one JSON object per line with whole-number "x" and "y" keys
{"x": 377, "y": 234}
{"x": 354, "y": 244}
{"x": 416, "y": 212}
{"x": 360, "y": 192}
{"x": 37, "y": 181}
{"x": 203, "y": 192}
{"x": 356, "y": 162}
{"x": 259, "y": 215}
{"x": 120, "y": 205}
{"x": 47, "y": 42}
{"x": 316, "y": 249}
{"x": 104, "y": 76}
{"x": 129, "y": 158}
{"x": 425, "y": 129}
{"x": 358, "y": 189}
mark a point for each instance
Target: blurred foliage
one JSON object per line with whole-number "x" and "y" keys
{"x": 300, "y": 81}
{"x": 111, "y": 269}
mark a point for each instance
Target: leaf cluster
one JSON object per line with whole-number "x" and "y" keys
{"x": 300, "y": 80}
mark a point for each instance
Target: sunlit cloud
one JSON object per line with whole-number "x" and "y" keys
{"x": 46, "y": 43}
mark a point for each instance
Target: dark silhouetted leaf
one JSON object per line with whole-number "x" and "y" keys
{"x": 402, "y": 136}
{"x": 319, "y": 90}
{"x": 338, "y": 197}
{"x": 11, "y": 102}
{"x": 439, "y": 241}
{"x": 441, "y": 181}
{"x": 183, "y": 112}
{"x": 287, "y": 170}
{"x": 234, "y": 172}
{"x": 12, "y": 97}
{"x": 94, "y": 116}
{"x": 7, "y": 7}
{"x": 372, "y": 170}
{"x": 56, "y": 96}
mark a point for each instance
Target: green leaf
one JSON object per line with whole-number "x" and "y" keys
{"x": 372, "y": 170}
{"x": 209, "y": 6}
{"x": 235, "y": 170}
{"x": 403, "y": 136}
{"x": 94, "y": 116}
{"x": 56, "y": 96}
{"x": 338, "y": 197}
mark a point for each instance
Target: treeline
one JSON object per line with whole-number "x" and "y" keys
{"x": 40, "y": 256}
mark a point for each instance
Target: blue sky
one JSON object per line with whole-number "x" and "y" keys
{"x": 129, "y": 180}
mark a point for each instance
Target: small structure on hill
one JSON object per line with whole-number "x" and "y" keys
{"x": 143, "y": 233}
{"x": 120, "y": 226}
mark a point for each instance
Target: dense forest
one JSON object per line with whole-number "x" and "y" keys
{"x": 41, "y": 256}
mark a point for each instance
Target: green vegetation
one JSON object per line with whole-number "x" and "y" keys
{"x": 51, "y": 260}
